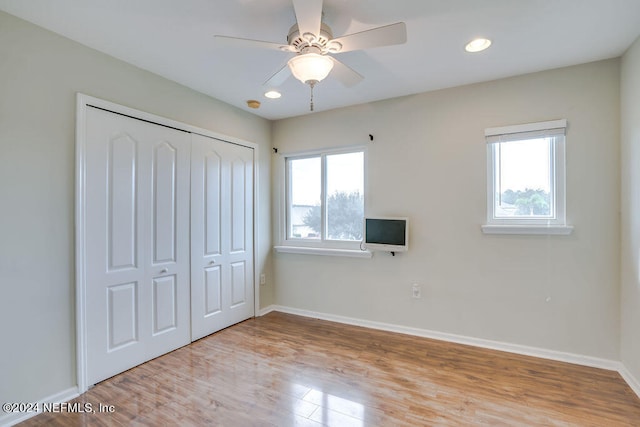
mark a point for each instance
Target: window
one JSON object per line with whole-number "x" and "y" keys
{"x": 526, "y": 181}
{"x": 325, "y": 199}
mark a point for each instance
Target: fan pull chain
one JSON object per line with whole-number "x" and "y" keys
{"x": 311, "y": 85}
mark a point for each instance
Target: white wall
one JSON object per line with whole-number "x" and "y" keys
{"x": 428, "y": 162}
{"x": 40, "y": 74}
{"x": 630, "y": 154}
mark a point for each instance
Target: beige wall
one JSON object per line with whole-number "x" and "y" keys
{"x": 630, "y": 325}
{"x": 40, "y": 74}
{"x": 428, "y": 162}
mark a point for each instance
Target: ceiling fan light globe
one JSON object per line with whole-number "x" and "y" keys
{"x": 310, "y": 67}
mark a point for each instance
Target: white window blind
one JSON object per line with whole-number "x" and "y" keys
{"x": 525, "y": 131}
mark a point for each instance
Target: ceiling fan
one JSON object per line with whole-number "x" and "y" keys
{"x": 313, "y": 44}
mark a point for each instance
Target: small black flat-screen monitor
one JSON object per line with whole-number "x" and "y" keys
{"x": 386, "y": 234}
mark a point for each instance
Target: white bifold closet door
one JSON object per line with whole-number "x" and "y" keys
{"x": 222, "y": 278}
{"x": 168, "y": 251}
{"x": 137, "y": 242}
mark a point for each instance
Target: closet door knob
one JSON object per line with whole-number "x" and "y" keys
{"x": 164, "y": 270}
{"x": 212, "y": 262}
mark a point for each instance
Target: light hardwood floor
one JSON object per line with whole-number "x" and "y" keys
{"x": 283, "y": 370}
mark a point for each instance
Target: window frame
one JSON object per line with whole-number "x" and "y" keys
{"x": 556, "y": 223}
{"x": 321, "y": 246}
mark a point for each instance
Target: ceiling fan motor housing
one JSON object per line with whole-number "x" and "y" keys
{"x": 322, "y": 41}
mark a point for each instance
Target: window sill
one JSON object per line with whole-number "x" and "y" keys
{"x": 353, "y": 253}
{"x": 549, "y": 230}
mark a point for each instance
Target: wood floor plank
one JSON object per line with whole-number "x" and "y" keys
{"x": 281, "y": 370}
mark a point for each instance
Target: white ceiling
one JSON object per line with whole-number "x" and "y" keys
{"x": 174, "y": 38}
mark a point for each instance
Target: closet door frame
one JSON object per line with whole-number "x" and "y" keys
{"x": 82, "y": 103}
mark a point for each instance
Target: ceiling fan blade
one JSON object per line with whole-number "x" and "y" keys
{"x": 344, "y": 74}
{"x": 279, "y": 77}
{"x": 308, "y": 15}
{"x": 248, "y": 43}
{"x": 380, "y": 36}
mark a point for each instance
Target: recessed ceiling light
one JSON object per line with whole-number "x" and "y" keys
{"x": 273, "y": 94}
{"x": 477, "y": 45}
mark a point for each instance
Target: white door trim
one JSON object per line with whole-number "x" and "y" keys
{"x": 82, "y": 103}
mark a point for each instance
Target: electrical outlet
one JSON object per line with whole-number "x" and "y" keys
{"x": 263, "y": 279}
{"x": 416, "y": 292}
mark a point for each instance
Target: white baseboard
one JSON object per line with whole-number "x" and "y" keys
{"x": 594, "y": 362}
{"x": 10, "y": 419}
{"x": 630, "y": 379}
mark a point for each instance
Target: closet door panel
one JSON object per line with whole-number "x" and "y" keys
{"x": 164, "y": 203}
{"x": 221, "y": 235}
{"x": 238, "y": 213}
{"x": 122, "y": 203}
{"x": 165, "y": 304}
{"x": 238, "y": 280}
{"x": 137, "y": 270}
{"x": 213, "y": 291}
{"x": 211, "y": 194}
{"x": 122, "y": 313}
